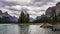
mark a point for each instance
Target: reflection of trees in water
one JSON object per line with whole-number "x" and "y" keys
{"x": 24, "y": 29}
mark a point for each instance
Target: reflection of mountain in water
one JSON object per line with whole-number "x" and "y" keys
{"x": 5, "y": 17}
{"x": 9, "y": 29}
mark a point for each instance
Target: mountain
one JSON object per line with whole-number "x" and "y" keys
{"x": 50, "y": 11}
{"x": 38, "y": 17}
{"x": 58, "y": 9}
{"x": 14, "y": 19}
{"x": 31, "y": 19}
{"x": 5, "y": 17}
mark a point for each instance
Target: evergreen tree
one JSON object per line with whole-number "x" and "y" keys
{"x": 27, "y": 18}
{"x": 23, "y": 18}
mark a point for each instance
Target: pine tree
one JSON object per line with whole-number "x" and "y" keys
{"x": 27, "y": 18}
{"x": 23, "y": 18}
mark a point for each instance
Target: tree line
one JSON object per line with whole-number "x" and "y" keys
{"x": 24, "y": 18}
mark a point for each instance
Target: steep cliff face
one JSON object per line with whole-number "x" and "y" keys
{"x": 55, "y": 9}
{"x": 13, "y": 19}
{"x": 58, "y": 8}
{"x": 50, "y": 11}
{"x": 5, "y": 17}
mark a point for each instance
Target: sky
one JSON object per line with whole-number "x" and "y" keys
{"x": 33, "y": 7}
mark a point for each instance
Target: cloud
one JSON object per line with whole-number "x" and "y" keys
{"x": 14, "y": 8}
{"x": 33, "y": 7}
{"x": 7, "y": 3}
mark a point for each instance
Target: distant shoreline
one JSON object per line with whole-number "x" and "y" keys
{"x": 30, "y": 23}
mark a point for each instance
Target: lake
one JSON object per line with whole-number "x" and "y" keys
{"x": 25, "y": 29}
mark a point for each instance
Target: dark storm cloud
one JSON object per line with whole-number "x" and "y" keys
{"x": 25, "y": 9}
{"x": 37, "y": 11}
{"x": 41, "y": 2}
{"x": 32, "y": 3}
{"x": 13, "y": 9}
{"x": 6, "y": 3}
{"x": 44, "y": 1}
{"x": 15, "y": 14}
{"x": 30, "y": 6}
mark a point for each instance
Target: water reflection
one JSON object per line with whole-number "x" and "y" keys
{"x": 9, "y": 29}
{"x": 35, "y": 29}
{"x": 25, "y": 29}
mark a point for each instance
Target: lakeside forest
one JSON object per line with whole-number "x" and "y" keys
{"x": 52, "y": 15}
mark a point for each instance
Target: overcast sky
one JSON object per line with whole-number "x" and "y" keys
{"x": 33, "y": 7}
